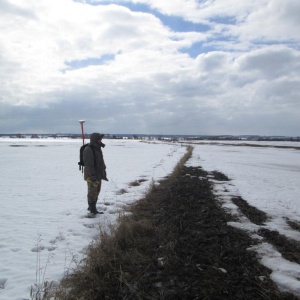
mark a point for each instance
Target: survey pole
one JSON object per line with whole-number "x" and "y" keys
{"x": 82, "y": 131}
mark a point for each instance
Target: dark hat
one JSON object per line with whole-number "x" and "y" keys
{"x": 95, "y": 137}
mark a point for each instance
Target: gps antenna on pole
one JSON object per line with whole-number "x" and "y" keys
{"x": 81, "y": 149}
{"x": 82, "y": 132}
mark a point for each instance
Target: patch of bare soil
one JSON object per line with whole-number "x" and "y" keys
{"x": 256, "y": 216}
{"x": 289, "y": 249}
{"x": 176, "y": 244}
{"x": 195, "y": 254}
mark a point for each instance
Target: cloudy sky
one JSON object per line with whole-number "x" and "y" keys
{"x": 150, "y": 66}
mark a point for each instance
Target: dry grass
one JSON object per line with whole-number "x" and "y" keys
{"x": 137, "y": 182}
{"x": 255, "y": 215}
{"x": 118, "y": 260}
{"x": 293, "y": 224}
{"x": 182, "y": 161}
{"x": 174, "y": 244}
{"x": 113, "y": 264}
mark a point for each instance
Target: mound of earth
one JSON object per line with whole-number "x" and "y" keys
{"x": 197, "y": 255}
{"x": 176, "y": 244}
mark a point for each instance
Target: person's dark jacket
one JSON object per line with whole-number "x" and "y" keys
{"x": 94, "y": 166}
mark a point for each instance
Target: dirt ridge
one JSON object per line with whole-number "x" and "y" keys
{"x": 175, "y": 244}
{"x": 204, "y": 258}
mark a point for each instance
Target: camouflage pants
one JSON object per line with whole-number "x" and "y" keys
{"x": 93, "y": 192}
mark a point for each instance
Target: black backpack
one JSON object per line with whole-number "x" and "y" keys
{"x": 81, "y": 163}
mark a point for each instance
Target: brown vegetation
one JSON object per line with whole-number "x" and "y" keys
{"x": 173, "y": 244}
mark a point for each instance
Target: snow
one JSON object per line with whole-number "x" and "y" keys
{"x": 267, "y": 178}
{"x": 44, "y": 228}
{"x": 43, "y": 203}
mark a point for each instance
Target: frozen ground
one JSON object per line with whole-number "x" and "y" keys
{"x": 43, "y": 221}
{"x": 267, "y": 178}
{"x": 43, "y": 203}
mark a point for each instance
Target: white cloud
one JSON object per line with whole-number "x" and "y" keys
{"x": 149, "y": 85}
{"x": 271, "y": 62}
{"x": 276, "y": 21}
{"x": 36, "y": 48}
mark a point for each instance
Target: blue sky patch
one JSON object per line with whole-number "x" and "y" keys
{"x": 197, "y": 48}
{"x": 175, "y": 23}
{"x": 78, "y": 64}
{"x": 224, "y": 20}
{"x": 178, "y": 24}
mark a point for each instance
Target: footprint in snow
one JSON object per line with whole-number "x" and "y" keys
{"x": 51, "y": 248}
{"x": 41, "y": 248}
{"x": 74, "y": 233}
{"x": 2, "y": 283}
{"x": 59, "y": 238}
{"x": 89, "y": 225}
{"x": 37, "y": 249}
{"x": 91, "y": 216}
{"x": 16, "y": 249}
{"x": 114, "y": 211}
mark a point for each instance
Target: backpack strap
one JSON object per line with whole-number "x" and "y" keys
{"x": 93, "y": 155}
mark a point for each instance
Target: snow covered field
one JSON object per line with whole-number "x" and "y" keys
{"x": 267, "y": 178}
{"x": 43, "y": 203}
{"x": 43, "y": 200}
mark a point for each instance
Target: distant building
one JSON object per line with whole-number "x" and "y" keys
{"x": 34, "y": 136}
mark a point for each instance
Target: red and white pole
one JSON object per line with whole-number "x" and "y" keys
{"x": 82, "y": 131}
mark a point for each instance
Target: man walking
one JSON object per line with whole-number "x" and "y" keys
{"x": 94, "y": 169}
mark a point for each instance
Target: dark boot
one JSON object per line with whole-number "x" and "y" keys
{"x": 93, "y": 209}
{"x": 89, "y": 205}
